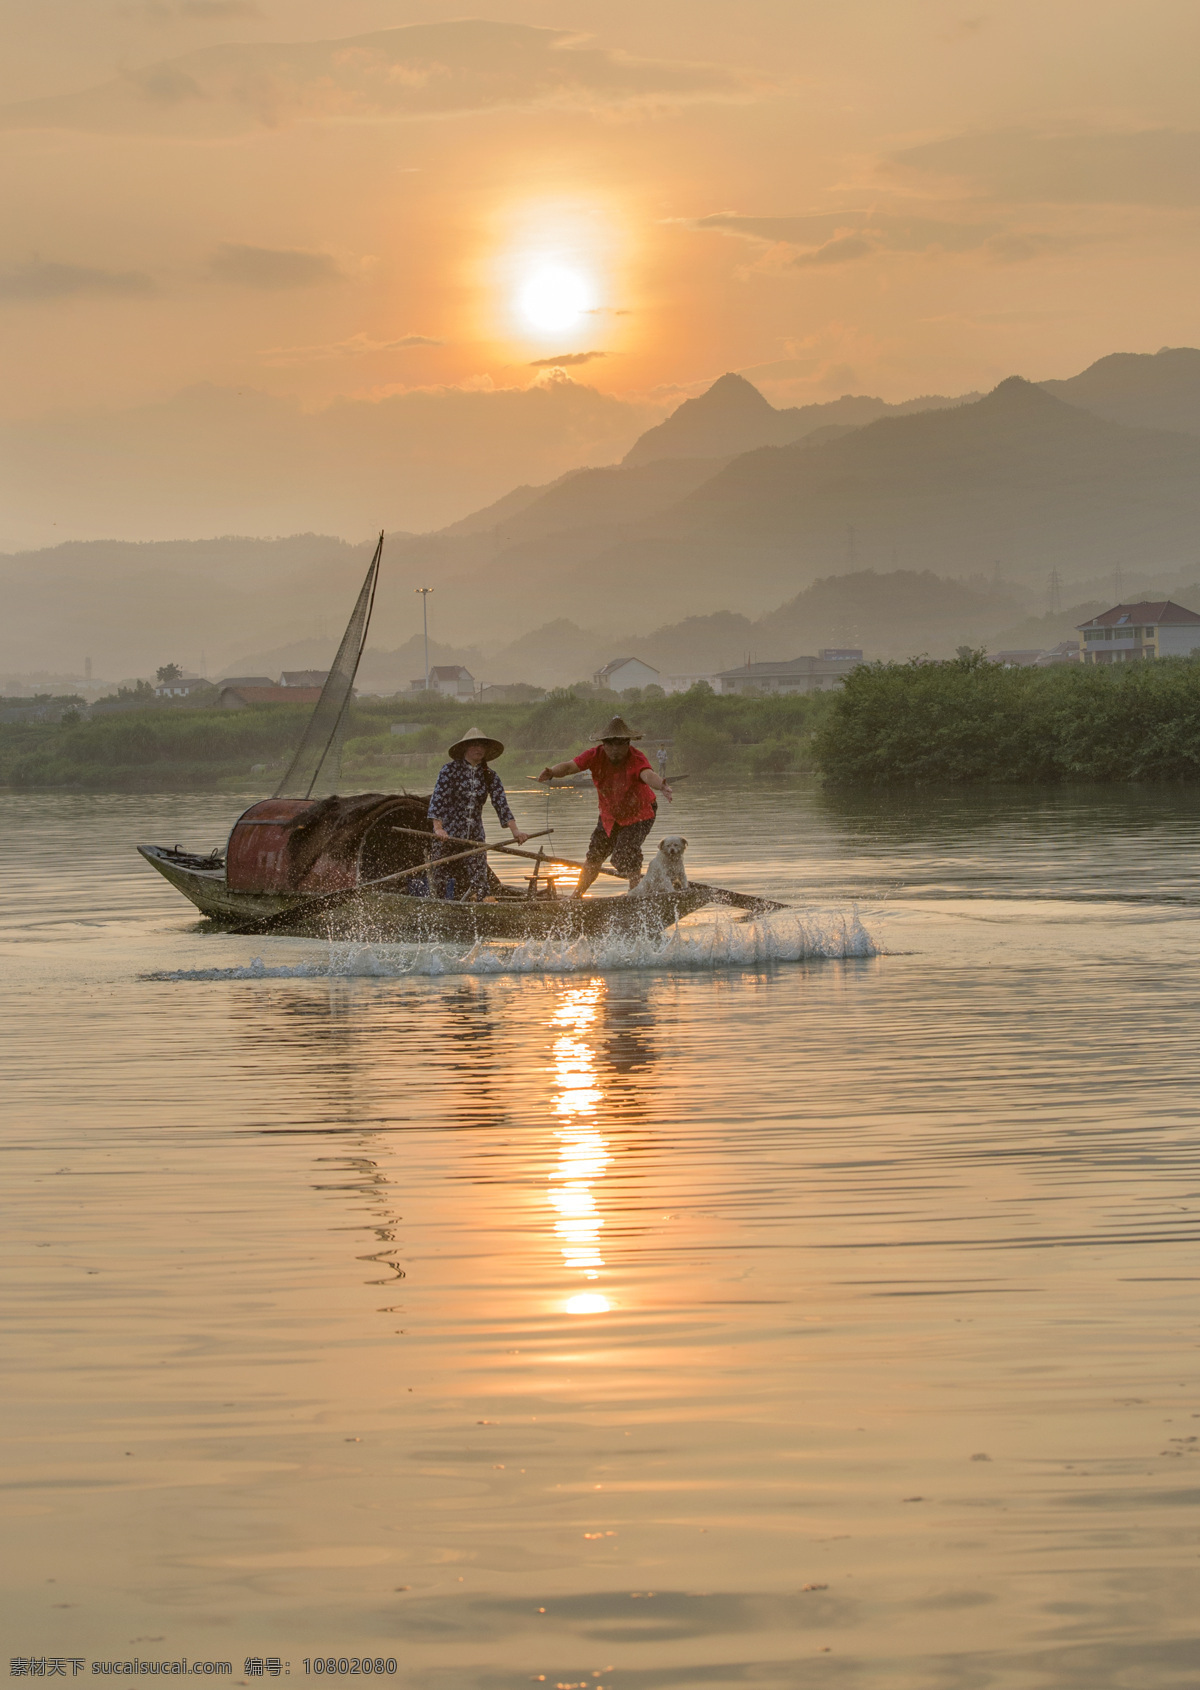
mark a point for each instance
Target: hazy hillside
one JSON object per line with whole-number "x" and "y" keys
{"x": 732, "y": 417}
{"x": 902, "y": 613}
{"x": 1143, "y": 389}
{"x": 500, "y": 510}
{"x": 608, "y": 498}
{"x": 1006, "y": 488}
{"x": 131, "y": 606}
{"x": 1018, "y": 479}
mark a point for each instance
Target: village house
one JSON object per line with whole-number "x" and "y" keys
{"x": 183, "y": 686}
{"x": 797, "y": 674}
{"x": 1066, "y": 651}
{"x": 450, "y": 679}
{"x": 685, "y": 683}
{"x": 304, "y": 677}
{"x": 243, "y": 697}
{"x": 1134, "y": 632}
{"x": 511, "y": 692}
{"x": 625, "y": 672}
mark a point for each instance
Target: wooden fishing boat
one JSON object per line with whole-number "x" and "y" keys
{"x": 379, "y": 916}
{"x": 354, "y": 867}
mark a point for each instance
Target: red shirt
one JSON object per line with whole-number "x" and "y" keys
{"x": 623, "y": 794}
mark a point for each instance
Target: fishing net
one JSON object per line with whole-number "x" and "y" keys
{"x": 316, "y": 769}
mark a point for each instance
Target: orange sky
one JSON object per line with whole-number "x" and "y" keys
{"x": 880, "y": 196}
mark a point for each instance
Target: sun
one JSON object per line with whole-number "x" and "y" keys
{"x": 553, "y": 298}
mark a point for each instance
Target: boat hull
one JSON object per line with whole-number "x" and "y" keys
{"x": 378, "y": 916}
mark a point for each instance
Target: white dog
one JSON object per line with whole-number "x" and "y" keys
{"x": 666, "y": 873}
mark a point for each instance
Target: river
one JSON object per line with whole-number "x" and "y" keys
{"x": 804, "y": 1303}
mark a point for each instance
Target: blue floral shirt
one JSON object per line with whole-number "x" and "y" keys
{"x": 459, "y": 797}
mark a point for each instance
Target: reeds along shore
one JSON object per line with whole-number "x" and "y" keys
{"x": 179, "y": 749}
{"x": 969, "y": 720}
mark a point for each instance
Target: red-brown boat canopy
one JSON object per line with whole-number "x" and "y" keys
{"x": 324, "y": 845}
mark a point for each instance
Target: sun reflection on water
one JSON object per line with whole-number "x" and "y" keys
{"x": 583, "y": 1153}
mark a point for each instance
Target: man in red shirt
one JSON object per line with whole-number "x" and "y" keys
{"x": 625, "y": 785}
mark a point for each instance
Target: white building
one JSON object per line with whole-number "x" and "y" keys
{"x": 685, "y": 683}
{"x": 625, "y": 672}
{"x": 798, "y": 674}
{"x": 183, "y": 686}
{"x": 1134, "y": 632}
{"x": 450, "y": 679}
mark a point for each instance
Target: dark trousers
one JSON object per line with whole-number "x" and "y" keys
{"x": 471, "y": 878}
{"x": 623, "y": 845}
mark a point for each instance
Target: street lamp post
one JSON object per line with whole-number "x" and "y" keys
{"x": 425, "y": 592}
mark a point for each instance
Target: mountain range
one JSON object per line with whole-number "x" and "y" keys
{"x": 1082, "y": 476}
{"x": 685, "y": 551}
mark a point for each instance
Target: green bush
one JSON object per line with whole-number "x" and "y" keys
{"x": 774, "y": 756}
{"x": 969, "y": 720}
{"x": 563, "y": 718}
{"x": 699, "y": 748}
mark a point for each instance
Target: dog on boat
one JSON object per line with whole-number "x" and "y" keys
{"x": 666, "y": 873}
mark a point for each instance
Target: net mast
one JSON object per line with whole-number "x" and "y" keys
{"x": 315, "y": 770}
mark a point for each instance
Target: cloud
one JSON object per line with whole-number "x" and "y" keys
{"x": 843, "y": 237}
{"x": 219, "y": 9}
{"x": 420, "y": 70}
{"x": 160, "y": 10}
{"x": 1146, "y": 167}
{"x": 164, "y": 85}
{"x": 564, "y": 359}
{"x": 1019, "y": 247}
{"x": 41, "y": 280}
{"x": 273, "y": 267}
{"x": 357, "y": 346}
{"x": 843, "y": 249}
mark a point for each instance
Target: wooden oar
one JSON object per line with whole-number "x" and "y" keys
{"x": 582, "y": 779}
{"x": 343, "y": 894}
{"x": 515, "y": 850}
{"x": 718, "y": 894}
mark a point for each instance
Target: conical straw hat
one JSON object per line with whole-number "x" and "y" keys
{"x": 492, "y": 747}
{"x": 618, "y": 728}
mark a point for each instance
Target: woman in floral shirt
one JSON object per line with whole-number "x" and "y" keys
{"x": 456, "y": 810}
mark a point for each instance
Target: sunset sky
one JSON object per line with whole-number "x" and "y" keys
{"x": 374, "y": 200}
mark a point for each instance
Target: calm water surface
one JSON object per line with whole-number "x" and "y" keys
{"x": 740, "y": 1316}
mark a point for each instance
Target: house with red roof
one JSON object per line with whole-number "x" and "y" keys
{"x": 1133, "y": 632}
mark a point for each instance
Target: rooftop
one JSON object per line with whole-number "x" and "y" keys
{"x": 788, "y": 666}
{"x": 1160, "y": 610}
{"x": 272, "y": 694}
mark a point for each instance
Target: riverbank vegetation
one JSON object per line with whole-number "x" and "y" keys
{"x": 201, "y": 749}
{"x": 970, "y": 720}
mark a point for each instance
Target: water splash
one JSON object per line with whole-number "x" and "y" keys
{"x": 718, "y": 944}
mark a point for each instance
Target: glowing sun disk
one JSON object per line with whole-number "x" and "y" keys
{"x": 553, "y": 298}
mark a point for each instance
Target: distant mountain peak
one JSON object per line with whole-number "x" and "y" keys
{"x": 1015, "y": 396}
{"x": 1018, "y": 388}
{"x": 1158, "y": 390}
{"x": 729, "y": 417}
{"x": 732, "y": 390}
